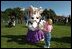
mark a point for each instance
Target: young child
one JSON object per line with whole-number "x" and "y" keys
{"x": 47, "y": 32}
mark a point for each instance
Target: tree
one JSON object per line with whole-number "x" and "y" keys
{"x": 18, "y": 14}
{"x": 69, "y": 19}
{"x": 49, "y": 14}
{"x": 45, "y": 13}
{"x": 5, "y": 14}
{"x": 8, "y": 11}
{"x": 52, "y": 13}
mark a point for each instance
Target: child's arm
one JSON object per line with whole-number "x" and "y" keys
{"x": 45, "y": 30}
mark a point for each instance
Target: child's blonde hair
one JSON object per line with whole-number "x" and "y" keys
{"x": 50, "y": 21}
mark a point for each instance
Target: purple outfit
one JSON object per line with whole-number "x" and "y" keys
{"x": 35, "y": 36}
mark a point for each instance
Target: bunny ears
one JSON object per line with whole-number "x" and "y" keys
{"x": 34, "y": 10}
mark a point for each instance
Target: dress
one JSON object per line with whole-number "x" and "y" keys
{"x": 35, "y": 36}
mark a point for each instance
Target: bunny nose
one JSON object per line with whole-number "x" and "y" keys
{"x": 34, "y": 20}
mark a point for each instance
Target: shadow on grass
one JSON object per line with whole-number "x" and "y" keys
{"x": 20, "y": 39}
{"x": 25, "y": 26}
{"x": 6, "y": 26}
{"x": 63, "y": 39}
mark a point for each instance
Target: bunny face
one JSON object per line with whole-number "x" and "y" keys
{"x": 35, "y": 18}
{"x": 35, "y": 14}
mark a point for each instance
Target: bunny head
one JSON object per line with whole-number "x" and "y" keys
{"x": 35, "y": 14}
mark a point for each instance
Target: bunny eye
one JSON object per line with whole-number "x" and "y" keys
{"x": 37, "y": 17}
{"x": 32, "y": 18}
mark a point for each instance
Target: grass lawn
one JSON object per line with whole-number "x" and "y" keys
{"x": 15, "y": 37}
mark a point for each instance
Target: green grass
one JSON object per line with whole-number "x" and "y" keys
{"x": 15, "y": 37}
